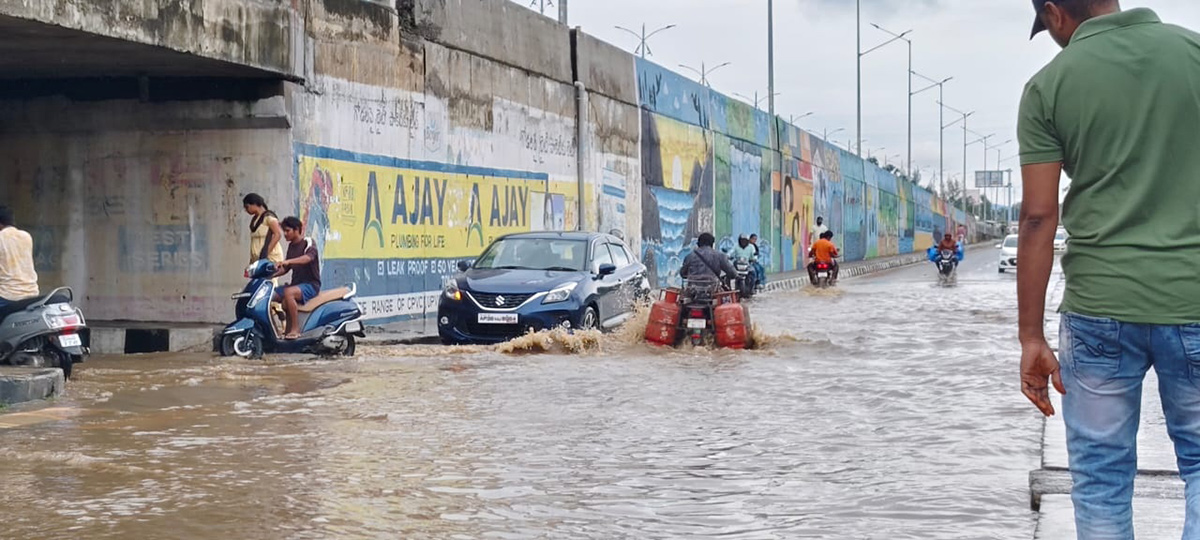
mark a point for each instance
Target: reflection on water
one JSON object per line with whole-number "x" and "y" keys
{"x": 880, "y": 410}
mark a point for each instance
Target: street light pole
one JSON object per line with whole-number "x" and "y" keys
{"x": 986, "y": 148}
{"x": 908, "y": 166}
{"x": 828, "y": 133}
{"x": 941, "y": 122}
{"x": 965, "y": 116}
{"x": 771, "y": 72}
{"x": 793, "y": 118}
{"x": 755, "y": 99}
{"x": 644, "y": 47}
{"x": 704, "y": 71}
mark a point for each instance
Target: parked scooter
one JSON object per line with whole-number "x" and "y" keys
{"x": 329, "y": 323}
{"x": 45, "y": 331}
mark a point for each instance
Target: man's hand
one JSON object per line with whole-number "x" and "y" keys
{"x": 1038, "y": 368}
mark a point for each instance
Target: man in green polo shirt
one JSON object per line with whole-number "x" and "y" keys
{"x": 1119, "y": 111}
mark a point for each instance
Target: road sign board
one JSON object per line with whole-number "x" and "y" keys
{"x": 989, "y": 179}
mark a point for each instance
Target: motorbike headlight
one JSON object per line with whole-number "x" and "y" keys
{"x": 561, "y": 294}
{"x": 259, "y": 296}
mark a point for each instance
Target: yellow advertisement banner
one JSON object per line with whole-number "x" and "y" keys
{"x": 370, "y": 207}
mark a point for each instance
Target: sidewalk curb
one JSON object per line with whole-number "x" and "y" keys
{"x": 21, "y": 384}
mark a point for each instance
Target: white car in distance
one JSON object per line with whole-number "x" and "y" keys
{"x": 1060, "y": 239}
{"x": 1008, "y": 253}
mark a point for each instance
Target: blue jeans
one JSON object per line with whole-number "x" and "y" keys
{"x": 760, "y": 272}
{"x": 1103, "y": 365}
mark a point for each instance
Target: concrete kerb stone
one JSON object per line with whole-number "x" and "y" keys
{"x": 21, "y": 384}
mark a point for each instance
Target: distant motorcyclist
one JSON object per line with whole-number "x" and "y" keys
{"x": 706, "y": 263}
{"x": 759, "y": 269}
{"x": 947, "y": 244}
{"x": 18, "y": 279}
{"x": 823, "y": 251}
{"x": 745, "y": 250}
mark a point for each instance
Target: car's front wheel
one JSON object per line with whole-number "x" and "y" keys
{"x": 590, "y": 319}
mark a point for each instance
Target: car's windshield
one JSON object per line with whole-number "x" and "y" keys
{"x": 1010, "y": 242}
{"x": 534, "y": 254}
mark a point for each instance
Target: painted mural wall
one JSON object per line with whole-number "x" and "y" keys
{"x": 728, "y": 145}
{"x": 397, "y": 186}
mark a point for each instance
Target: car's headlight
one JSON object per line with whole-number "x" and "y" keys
{"x": 452, "y": 293}
{"x": 560, "y": 294}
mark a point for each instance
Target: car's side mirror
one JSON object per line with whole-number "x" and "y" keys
{"x": 463, "y": 266}
{"x": 606, "y": 270}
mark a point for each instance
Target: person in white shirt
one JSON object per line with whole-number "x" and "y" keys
{"x": 18, "y": 279}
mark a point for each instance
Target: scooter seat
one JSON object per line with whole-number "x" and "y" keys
{"x": 323, "y": 298}
{"x": 21, "y": 305}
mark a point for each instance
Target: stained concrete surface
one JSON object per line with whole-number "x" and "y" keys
{"x": 21, "y": 384}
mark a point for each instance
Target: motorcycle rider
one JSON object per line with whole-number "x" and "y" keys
{"x": 18, "y": 278}
{"x": 305, "y": 266}
{"x": 823, "y": 251}
{"x": 747, "y": 252}
{"x": 759, "y": 270}
{"x": 705, "y": 262}
{"x": 949, "y": 244}
{"x": 820, "y": 229}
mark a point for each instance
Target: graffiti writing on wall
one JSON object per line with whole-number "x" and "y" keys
{"x": 163, "y": 248}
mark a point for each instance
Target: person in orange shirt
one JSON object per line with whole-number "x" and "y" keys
{"x": 823, "y": 250}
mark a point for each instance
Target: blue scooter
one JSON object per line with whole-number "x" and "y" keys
{"x": 329, "y": 323}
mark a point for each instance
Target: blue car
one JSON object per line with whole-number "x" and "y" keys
{"x": 537, "y": 281}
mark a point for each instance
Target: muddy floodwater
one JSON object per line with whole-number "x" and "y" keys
{"x": 886, "y": 409}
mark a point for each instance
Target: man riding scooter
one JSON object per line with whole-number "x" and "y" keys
{"x": 823, "y": 252}
{"x": 305, "y": 265}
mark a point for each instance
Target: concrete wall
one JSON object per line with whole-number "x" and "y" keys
{"x": 145, "y": 220}
{"x": 416, "y": 159}
{"x": 416, "y": 135}
{"x": 259, "y": 34}
{"x": 707, "y": 165}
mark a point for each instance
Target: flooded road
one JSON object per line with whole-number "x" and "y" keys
{"x": 886, "y": 409}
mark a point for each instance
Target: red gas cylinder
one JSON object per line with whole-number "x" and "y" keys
{"x": 664, "y": 319}
{"x": 732, "y": 324}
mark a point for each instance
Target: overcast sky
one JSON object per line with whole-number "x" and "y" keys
{"x": 983, "y": 44}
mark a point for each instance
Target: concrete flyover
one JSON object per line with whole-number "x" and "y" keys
{"x": 127, "y": 38}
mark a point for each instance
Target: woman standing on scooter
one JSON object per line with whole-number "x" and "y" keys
{"x": 265, "y": 232}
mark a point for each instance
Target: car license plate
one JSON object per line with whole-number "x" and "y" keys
{"x": 353, "y": 327}
{"x": 70, "y": 340}
{"x": 822, "y": 274}
{"x": 497, "y": 318}
{"x": 697, "y": 324}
